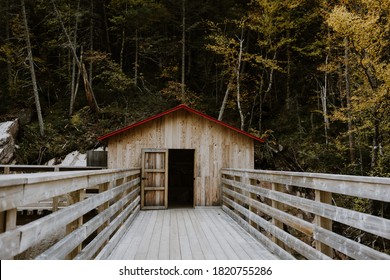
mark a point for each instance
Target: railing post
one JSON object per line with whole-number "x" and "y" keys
{"x": 324, "y": 197}
{"x": 75, "y": 197}
{"x": 102, "y": 188}
{"x": 55, "y": 204}
{"x": 2, "y": 221}
{"x": 279, "y": 206}
{"x": 238, "y": 178}
{"x": 8, "y": 220}
{"x": 251, "y": 208}
{"x": 7, "y": 170}
{"x": 120, "y": 182}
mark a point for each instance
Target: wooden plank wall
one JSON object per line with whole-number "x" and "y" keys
{"x": 292, "y": 213}
{"x": 215, "y": 147}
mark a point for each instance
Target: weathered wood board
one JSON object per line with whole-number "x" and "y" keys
{"x": 215, "y": 147}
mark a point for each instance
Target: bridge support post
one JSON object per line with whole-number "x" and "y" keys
{"x": 102, "y": 188}
{"x": 251, "y": 208}
{"x": 8, "y": 220}
{"x": 118, "y": 183}
{"x": 75, "y": 197}
{"x": 238, "y": 190}
{"x": 324, "y": 197}
{"x": 55, "y": 204}
{"x": 277, "y": 205}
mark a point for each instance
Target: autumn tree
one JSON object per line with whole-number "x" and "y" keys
{"x": 363, "y": 28}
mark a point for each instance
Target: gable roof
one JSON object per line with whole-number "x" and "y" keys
{"x": 177, "y": 108}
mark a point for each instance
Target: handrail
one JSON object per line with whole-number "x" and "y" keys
{"x": 16, "y": 168}
{"x": 292, "y": 213}
{"x": 115, "y": 205}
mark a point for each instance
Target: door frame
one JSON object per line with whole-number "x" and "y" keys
{"x": 193, "y": 173}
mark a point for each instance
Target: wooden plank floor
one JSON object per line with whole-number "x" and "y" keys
{"x": 188, "y": 234}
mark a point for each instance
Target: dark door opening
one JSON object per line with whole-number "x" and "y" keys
{"x": 181, "y": 178}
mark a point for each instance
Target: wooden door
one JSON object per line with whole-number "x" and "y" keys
{"x": 154, "y": 185}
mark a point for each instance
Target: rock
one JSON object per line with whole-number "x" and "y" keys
{"x": 75, "y": 159}
{"x": 8, "y": 132}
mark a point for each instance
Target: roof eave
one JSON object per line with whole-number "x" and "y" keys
{"x": 182, "y": 106}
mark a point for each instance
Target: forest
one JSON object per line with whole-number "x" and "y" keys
{"x": 312, "y": 77}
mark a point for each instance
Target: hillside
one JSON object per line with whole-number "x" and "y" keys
{"x": 311, "y": 77}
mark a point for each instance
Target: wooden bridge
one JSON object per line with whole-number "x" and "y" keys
{"x": 264, "y": 215}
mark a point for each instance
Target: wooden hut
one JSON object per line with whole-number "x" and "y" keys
{"x": 181, "y": 152}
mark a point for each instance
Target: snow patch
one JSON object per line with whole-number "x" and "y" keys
{"x": 75, "y": 158}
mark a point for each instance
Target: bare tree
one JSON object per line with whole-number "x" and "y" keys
{"x": 236, "y": 74}
{"x": 183, "y": 58}
{"x": 87, "y": 86}
{"x": 238, "y": 79}
{"x": 30, "y": 59}
{"x": 91, "y": 42}
{"x": 324, "y": 101}
{"x": 225, "y": 98}
{"x": 74, "y": 83}
{"x": 348, "y": 96}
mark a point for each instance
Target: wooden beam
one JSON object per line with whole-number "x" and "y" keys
{"x": 289, "y": 240}
{"x": 61, "y": 249}
{"x": 16, "y": 190}
{"x": 325, "y": 223}
{"x": 347, "y": 246}
{"x": 361, "y": 186}
{"x": 375, "y": 225}
{"x": 279, "y": 206}
{"x": 74, "y": 198}
{"x": 103, "y": 188}
{"x": 272, "y": 247}
{"x": 2, "y": 221}
{"x": 290, "y": 220}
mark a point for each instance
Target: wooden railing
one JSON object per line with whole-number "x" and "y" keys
{"x": 64, "y": 234}
{"x": 295, "y": 214}
{"x": 12, "y": 169}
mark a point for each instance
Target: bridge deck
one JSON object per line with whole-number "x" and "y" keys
{"x": 206, "y": 233}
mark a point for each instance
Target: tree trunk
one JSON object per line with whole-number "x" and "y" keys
{"x": 183, "y": 54}
{"x": 87, "y": 87}
{"x": 376, "y": 144}
{"x": 136, "y": 64}
{"x": 288, "y": 90}
{"x": 108, "y": 41}
{"x": 73, "y": 88}
{"x": 324, "y": 98}
{"x": 238, "y": 77}
{"x": 225, "y": 98}
{"x": 91, "y": 44}
{"x": 32, "y": 71}
{"x": 121, "y": 55}
{"x": 7, "y": 35}
{"x": 348, "y": 96}
{"x": 264, "y": 97}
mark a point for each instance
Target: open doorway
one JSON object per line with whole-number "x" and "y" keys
{"x": 181, "y": 178}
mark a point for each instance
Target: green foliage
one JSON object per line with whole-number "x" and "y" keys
{"x": 291, "y": 51}
{"x": 110, "y": 77}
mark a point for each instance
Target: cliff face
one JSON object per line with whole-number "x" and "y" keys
{"x": 8, "y": 132}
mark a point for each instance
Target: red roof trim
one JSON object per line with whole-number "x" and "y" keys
{"x": 174, "y": 110}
